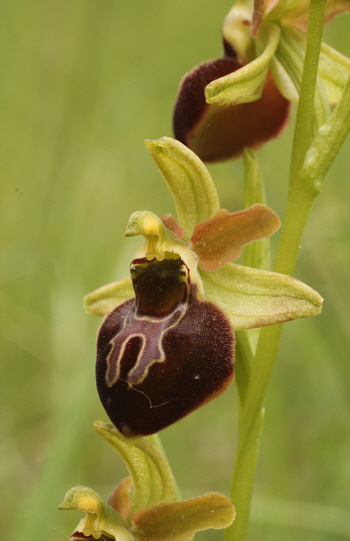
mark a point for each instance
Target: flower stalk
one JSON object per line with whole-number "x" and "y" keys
{"x": 300, "y": 197}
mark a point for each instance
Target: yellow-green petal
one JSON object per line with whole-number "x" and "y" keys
{"x": 104, "y": 300}
{"x": 152, "y": 479}
{"x": 256, "y": 298}
{"x": 188, "y": 180}
{"x": 246, "y": 84}
{"x": 181, "y": 520}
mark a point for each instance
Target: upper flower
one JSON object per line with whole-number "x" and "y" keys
{"x": 242, "y": 100}
{"x": 166, "y": 346}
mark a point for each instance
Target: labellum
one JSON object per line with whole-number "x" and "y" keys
{"x": 163, "y": 354}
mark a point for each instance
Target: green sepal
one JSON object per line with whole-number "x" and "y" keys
{"x": 256, "y": 254}
{"x": 256, "y": 298}
{"x": 100, "y": 518}
{"x": 327, "y": 143}
{"x": 104, "y": 300}
{"x": 188, "y": 180}
{"x": 283, "y": 81}
{"x": 152, "y": 479}
{"x": 334, "y": 70}
{"x": 246, "y": 84}
{"x": 181, "y": 520}
{"x": 291, "y": 55}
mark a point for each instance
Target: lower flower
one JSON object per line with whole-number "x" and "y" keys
{"x": 151, "y": 514}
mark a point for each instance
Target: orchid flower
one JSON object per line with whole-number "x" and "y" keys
{"x": 166, "y": 345}
{"x": 242, "y": 100}
{"x": 151, "y": 514}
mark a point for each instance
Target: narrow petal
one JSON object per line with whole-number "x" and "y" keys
{"x": 220, "y": 240}
{"x": 188, "y": 180}
{"x": 255, "y": 298}
{"x": 246, "y": 84}
{"x": 104, "y": 300}
{"x": 151, "y": 476}
{"x": 180, "y": 521}
{"x": 120, "y": 499}
{"x": 170, "y": 222}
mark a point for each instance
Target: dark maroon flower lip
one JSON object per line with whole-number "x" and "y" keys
{"x": 163, "y": 354}
{"x": 219, "y": 132}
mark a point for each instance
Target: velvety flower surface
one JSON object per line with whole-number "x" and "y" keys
{"x": 142, "y": 507}
{"x": 242, "y": 100}
{"x": 166, "y": 345}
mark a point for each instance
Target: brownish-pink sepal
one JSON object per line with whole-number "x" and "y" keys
{"x": 170, "y": 222}
{"x": 220, "y": 239}
{"x": 120, "y": 499}
{"x": 258, "y": 16}
{"x": 219, "y": 132}
{"x": 179, "y": 521}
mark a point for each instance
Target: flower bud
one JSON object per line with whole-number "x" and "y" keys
{"x": 218, "y": 132}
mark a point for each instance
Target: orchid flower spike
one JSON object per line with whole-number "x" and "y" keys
{"x": 166, "y": 345}
{"x": 243, "y": 99}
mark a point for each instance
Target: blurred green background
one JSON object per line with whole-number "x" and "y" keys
{"x": 84, "y": 82}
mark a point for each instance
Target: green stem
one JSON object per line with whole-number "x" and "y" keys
{"x": 300, "y": 197}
